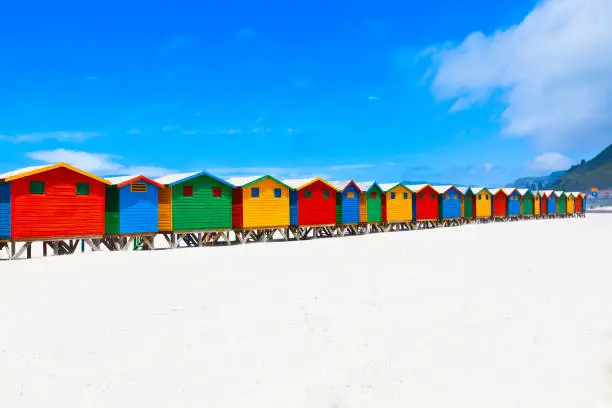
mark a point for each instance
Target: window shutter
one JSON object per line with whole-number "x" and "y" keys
{"x": 82, "y": 188}
{"x": 278, "y": 193}
{"x": 216, "y": 191}
{"x": 37, "y": 187}
{"x": 138, "y": 187}
{"x": 187, "y": 191}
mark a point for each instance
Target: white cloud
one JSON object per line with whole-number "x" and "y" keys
{"x": 553, "y": 71}
{"x": 373, "y": 98}
{"x": 61, "y": 136}
{"x": 288, "y": 172}
{"x": 549, "y": 162}
{"x": 99, "y": 163}
{"x": 179, "y": 129}
{"x": 133, "y": 132}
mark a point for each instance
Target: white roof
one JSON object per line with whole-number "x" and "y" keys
{"x": 23, "y": 170}
{"x": 522, "y": 191}
{"x": 509, "y": 190}
{"x": 120, "y": 179}
{"x": 388, "y": 186}
{"x": 442, "y": 189}
{"x": 340, "y": 185}
{"x": 416, "y": 187}
{"x": 477, "y": 190}
{"x": 241, "y": 181}
{"x": 364, "y": 185}
{"x": 297, "y": 183}
{"x": 558, "y": 193}
{"x": 463, "y": 189}
{"x": 547, "y": 192}
{"x": 172, "y": 178}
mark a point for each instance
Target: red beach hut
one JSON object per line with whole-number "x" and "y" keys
{"x": 500, "y": 203}
{"x": 311, "y": 202}
{"x": 52, "y": 201}
{"x": 425, "y": 202}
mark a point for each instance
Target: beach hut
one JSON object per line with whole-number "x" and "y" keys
{"x": 259, "y": 202}
{"x": 571, "y": 203}
{"x": 467, "y": 202}
{"x": 527, "y": 202}
{"x": 311, "y": 202}
{"x": 347, "y": 202}
{"x": 551, "y": 202}
{"x": 500, "y": 202}
{"x": 513, "y": 208}
{"x": 449, "y": 202}
{"x": 131, "y": 205}
{"x": 426, "y": 202}
{"x": 51, "y": 201}
{"x": 561, "y": 202}
{"x": 537, "y": 203}
{"x": 398, "y": 202}
{"x": 482, "y": 202}
{"x": 579, "y": 206}
{"x": 194, "y": 202}
{"x": 372, "y": 201}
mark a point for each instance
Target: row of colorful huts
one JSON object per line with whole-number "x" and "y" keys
{"x": 61, "y": 201}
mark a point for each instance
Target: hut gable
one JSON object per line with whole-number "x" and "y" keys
{"x": 449, "y": 201}
{"x": 347, "y": 202}
{"x": 500, "y": 202}
{"x": 313, "y": 201}
{"x": 259, "y": 202}
{"x": 426, "y": 202}
{"x": 373, "y": 201}
{"x": 56, "y": 200}
{"x": 132, "y": 205}
{"x": 398, "y": 202}
{"x": 482, "y": 202}
{"x": 198, "y": 202}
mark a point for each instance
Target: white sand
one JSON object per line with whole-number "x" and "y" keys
{"x": 499, "y": 315}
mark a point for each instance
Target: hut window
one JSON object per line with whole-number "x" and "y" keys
{"x": 431, "y": 196}
{"x": 373, "y": 194}
{"x": 350, "y": 194}
{"x": 326, "y": 194}
{"x": 422, "y": 196}
{"x": 82, "y": 188}
{"x": 37, "y": 187}
{"x": 454, "y": 196}
{"x": 307, "y": 193}
{"x": 255, "y": 192}
{"x": 187, "y": 191}
{"x": 480, "y": 197}
{"x": 138, "y": 187}
{"x": 405, "y": 196}
{"x": 447, "y": 196}
{"x": 393, "y": 196}
{"x": 487, "y": 197}
{"x": 216, "y": 191}
{"x": 277, "y": 193}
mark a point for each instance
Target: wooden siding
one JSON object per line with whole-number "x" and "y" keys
{"x": 59, "y": 212}
{"x": 571, "y": 204}
{"x": 164, "y": 209}
{"x": 363, "y": 208}
{"x": 138, "y": 210}
{"x": 551, "y": 205}
{"x": 237, "y": 208}
{"x": 316, "y": 209}
{"x": 374, "y": 206}
{"x": 201, "y": 211}
{"x": 399, "y": 208}
{"x": 562, "y": 205}
{"x": 111, "y": 211}
{"x": 451, "y": 207}
{"x": 537, "y": 204}
{"x": 482, "y": 204}
{"x": 468, "y": 205}
{"x": 527, "y": 205}
{"x": 514, "y": 204}
{"x": 500, "y": 204}
{"x": 579, "y": 204}
{"x": 5, "y": 210}
{"x": 293, "y": 207}
{"x": 266, "y": 210}
{"x": 350, "y": 206}
{"x": 426, "y": 202}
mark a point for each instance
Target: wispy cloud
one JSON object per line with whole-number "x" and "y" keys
{"x": 549, "y": 162}
{"x": 288, "y": 172}
{"x": 179, "y": 129}
{"x": 98, "y": 163}
{"x": 61, "y": 136}
{"x": 175, "y": 44}
{"x": 552, "y": 71}
{"x": 373, "y": 98}
{"x": 134, "y": 131}
{"x": 245, "y": 33}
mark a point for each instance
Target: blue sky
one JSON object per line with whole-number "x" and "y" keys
{"x": 368, "y": 90}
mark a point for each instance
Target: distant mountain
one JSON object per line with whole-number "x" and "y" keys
{"x": 593, "y": 173}
{"x": 537, "y": 183}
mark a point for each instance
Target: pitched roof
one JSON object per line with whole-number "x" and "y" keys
{"x": 297, "y": 184}
{"x": 477, "y": 190}
{"x": 389, "y": 186}
{"x": 464, "y": 190}
{"x": 547, "y": 192}
{"x": 366, "y": 185}
{"x": 444, "y": 189}
{"x": 510, "y": 190}
{"x": 173, "y": 179}
{"x": 342, "y": 185}
{"x": 415, "y": 188}
{"x": 121, "y": 181}
{"x": 247, "y": 180}
{"x": 32, "y": 170}
{"x": 522, "y": 191}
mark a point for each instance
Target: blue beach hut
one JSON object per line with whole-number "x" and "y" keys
{"x": 347, "y": 202}
{"x": 450, "y": 201}
{"x": 551, "y": 201}
{"x": 131, "y": 205}
{"x": 514, "y": 202}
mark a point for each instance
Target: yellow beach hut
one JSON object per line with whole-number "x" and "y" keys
{"x": 398, "y": 202}
{"x": 571, "y": 203}
{"x": 482, "y": 202}
{"x": 537, "y": 203}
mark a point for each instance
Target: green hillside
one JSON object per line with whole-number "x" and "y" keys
{"x": 594, "y": 173}
{"x": 536, "y": 183}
